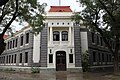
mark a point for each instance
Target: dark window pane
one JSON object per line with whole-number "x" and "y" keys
{"x": 64, "y": 36}
{"x": 13, "y": 43}
{"x": 70, "y": 58}
{"x": 92, "y": 37}
{"x": 21, "y": 40}
{"x": 26, "y": 57}
{"x": 94, "y": 57}
{"x": 97, "y": 40}
{"x": 16, "y": 42}
{"x": 50, "y": 58}
{"x": 10, "y": 44}
{"x": 15, "y": 58}
{"x": 103, "y": 59}
{"x": 56, "y": 36}
{"x": 12, "y": 59}
{"x": 20, "y": 57}
{"x": 99, "y": 57}
{"x": 27, "y": 37}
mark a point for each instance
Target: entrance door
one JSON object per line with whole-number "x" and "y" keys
{"x": 61, "y": 61}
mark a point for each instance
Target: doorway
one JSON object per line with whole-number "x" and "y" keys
{"x": 60, "y": 61}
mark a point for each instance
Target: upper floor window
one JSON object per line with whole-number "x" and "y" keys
{"x": 21, "y": 40}
{"x": 27, "y": 37}
{"x": 92, "y": 37}
{"x": 13, "y": 43}
{"x": 16, "y": 42}
{"x": 101, "y": 41}
{"x": 10, "y": 44}
{"x": 97, "y": 40}
{"x": 64, "y": 36}
{"x": 56, "y": 36}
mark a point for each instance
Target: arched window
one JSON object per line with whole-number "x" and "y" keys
{"x": 56, "y": 36}
{"x": 64, "y": 36}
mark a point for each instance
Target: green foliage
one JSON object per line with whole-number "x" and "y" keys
{"x": 85, "y": 61}
{"x": 30, "y": 11}
{"x": 35, "y": 70}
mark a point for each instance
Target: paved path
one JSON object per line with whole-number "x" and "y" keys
{"x": 57, "y": 76}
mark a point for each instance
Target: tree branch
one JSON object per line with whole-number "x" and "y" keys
{"x": 13, "y": 18}
{"x": 112, "y": 17}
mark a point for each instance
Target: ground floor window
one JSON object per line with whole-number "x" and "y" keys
{"x": 20, "y": 57}
{"x": 50, "y": 58}
{"x": 26, "y": 57}
{"x": 70, "y": 58}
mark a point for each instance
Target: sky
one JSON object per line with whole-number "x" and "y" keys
{"x": 72, "y": 3}
{"x": 75, "y": 6}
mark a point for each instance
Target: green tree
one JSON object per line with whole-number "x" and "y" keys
{"x": 30, "y": 11}
{"x": 103, "y": 16}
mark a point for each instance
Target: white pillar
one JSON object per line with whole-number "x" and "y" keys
{"x": 60, "y": 37}
{"x": 51, "y": 38}
{"x": 70, "y": 36}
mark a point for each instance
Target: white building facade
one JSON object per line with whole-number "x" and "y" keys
{"x": 58, "y": 47}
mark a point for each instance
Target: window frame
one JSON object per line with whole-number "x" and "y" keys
{"x": 56, "y": 36}
{"x": 64, "y": 35}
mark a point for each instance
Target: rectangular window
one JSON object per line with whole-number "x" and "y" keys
{"x": 101, "y": 41}
{"x": 92, "y": 37}
{"x": 107, "y": 55}
{"x": 20, "y": 57}
{"x": 16, "y": 42}
{"x": 64, "y": 36}
{"x": 103, "y": 57}
{"x": 99, "y": 56}
{"x": 21, "y": 41}
{"x": 56, "y": 36}
{"x": 9, "y": 58}
{"x": 10, "y": 44}
{"x": 70, "y": 58}
{"x": 97, "y": 40}
{"x": 15, "y": 58}
{"x": 50, "y": 58}
{"x": 13, "y": 43}
{"x": 71, "y": 51}
{"x": 110, "y": 56}
{"x": 26, "y": 57}
{"x": 94, "y": 57}
{"x": 27, "y": 38}
{"x": 12, "y": 59}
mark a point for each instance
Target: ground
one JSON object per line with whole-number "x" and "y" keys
{"x": 58, "y": 76}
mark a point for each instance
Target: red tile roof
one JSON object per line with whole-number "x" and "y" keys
{"x": 5, "y": 36}
{"x": 60, "y": 9}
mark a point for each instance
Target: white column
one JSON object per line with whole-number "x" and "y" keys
{"x": 60, "y": 37}
{"x": 51, "y": 38}
{"x": 70, "y": 36}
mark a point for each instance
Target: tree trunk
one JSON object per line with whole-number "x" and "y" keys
{"x": 2, "y": 44}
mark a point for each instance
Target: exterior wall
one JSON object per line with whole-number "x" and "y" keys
{"x": 84, "y": 41}
{"x": 43, "y": 47}
{"x": 77, "y": 45}
{"x": 36, "y": 48}
{"x": 99, "y": 51}
{"x": 19, "y": 49}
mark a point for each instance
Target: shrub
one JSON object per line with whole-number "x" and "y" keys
{"x": 35, "y": 70}
{"x": 85, "y": 61}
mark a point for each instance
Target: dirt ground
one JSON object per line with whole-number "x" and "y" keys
{"x": 58, "y": 76}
